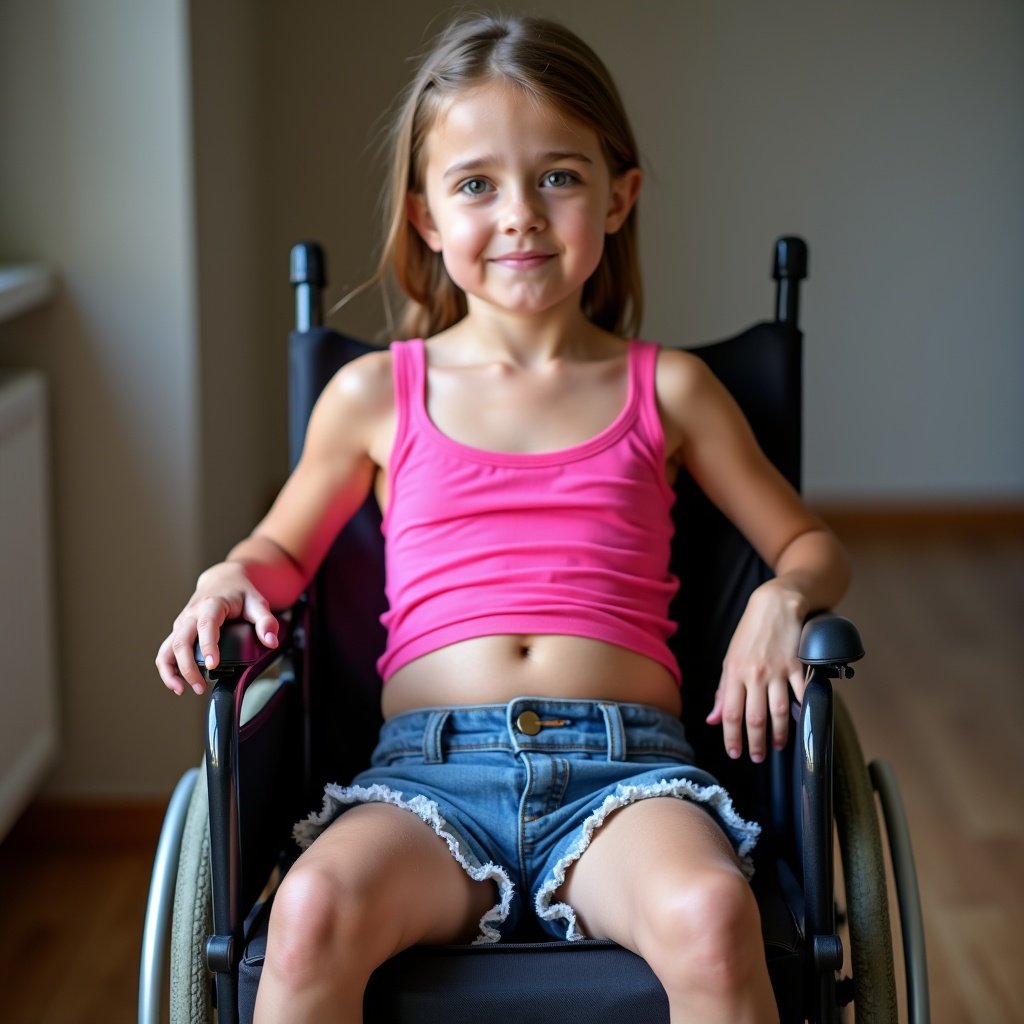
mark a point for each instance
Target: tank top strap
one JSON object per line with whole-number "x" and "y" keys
{"x": 408, "y": 373}
{"x": 644, "y": 367}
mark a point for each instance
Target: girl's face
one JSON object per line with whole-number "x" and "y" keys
{"x": 517, "y": 198}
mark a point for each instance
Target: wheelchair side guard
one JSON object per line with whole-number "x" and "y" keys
{"x": 161, "y": 898}
{"x": 180, "y": 897}
{"x": 223, "y": 947}
{"x": 243, "y": 660}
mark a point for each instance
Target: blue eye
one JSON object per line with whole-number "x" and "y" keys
{"x": 475, "y": 187}
{"x": 558, "y": 179}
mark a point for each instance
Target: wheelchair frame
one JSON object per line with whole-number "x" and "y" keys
{"x": 824, "y": 760}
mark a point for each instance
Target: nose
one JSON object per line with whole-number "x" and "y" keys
{"x": 522, "y": 213}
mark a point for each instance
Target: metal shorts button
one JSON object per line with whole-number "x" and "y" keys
{"x": 528, "y": 723}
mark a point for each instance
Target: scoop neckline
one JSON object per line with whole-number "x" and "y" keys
{"x": 601, "y": 440}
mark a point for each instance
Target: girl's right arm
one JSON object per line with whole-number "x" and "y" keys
{"x": 349, "y": 432}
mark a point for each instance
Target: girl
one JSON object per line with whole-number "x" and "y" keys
{"x": 532, "y": 759}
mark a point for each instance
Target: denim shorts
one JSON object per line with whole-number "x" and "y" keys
{"x": 517, "y": 790}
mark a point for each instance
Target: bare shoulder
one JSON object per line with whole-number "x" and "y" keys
{"x": 691, "y": 399}
{"x": 356, "y": 408}
{"x": 681, "y": 375}
{"x": 365, "y": 383}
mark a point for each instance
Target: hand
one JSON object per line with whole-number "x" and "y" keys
{"x": 222, "y": 592}
{"x": 760, "y": 667}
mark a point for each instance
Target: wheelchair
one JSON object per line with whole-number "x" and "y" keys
{"x": 282, "y": 723}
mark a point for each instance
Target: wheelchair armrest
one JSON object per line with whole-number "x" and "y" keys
{"x": 263, "y": 747}
{"x": 827, "y": 645}
{"x": 240, "y": 647}
{"x": 829, "y": 639}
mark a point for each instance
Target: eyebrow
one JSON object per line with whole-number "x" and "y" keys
{"x": 553, "y": 156}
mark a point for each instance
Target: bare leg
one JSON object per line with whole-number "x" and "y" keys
{"x": 661, "y": 879}
{"x": 376, "y": 882}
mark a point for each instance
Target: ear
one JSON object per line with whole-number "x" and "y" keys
{"x": 418, "y": 212}
{"x": 625, "y": 189}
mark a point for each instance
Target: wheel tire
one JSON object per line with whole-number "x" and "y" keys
{"x": 867, "y": 898}
{"x": 190, "y": 981}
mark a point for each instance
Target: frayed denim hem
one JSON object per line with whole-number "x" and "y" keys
{"x": 337, "y": 798}
{"x": 743, "y": 835}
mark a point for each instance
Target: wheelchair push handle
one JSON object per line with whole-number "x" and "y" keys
{"x": 789, "y": 268}
{"x": 308, "y": 277}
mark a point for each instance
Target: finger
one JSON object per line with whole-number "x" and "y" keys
{"x": 167, "y": 667}
{"x": 212, "y": 613}
{"x": 732, "y": 719}
{"x": 778, "y": 708}
{"x": 757, "y": 721}
{"x": 185, "y": 656}
{"x": 179, "y": 662}
{"x": 257, "y": 611}
{"x": 798, "y": 677}
{"x": 715, "y": 715}
{"x": 182, "y": 642}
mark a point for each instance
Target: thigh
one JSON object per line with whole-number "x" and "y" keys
{"x": 641, "y": 852}
{"x": 389, "y": 861}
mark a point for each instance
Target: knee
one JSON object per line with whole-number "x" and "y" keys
{"x": 704, "y": 933}
{"x": 317, "y": 923}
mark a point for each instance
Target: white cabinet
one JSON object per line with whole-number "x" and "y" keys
{"x": 29, "y": 729}
{"x": 28, "y": 704}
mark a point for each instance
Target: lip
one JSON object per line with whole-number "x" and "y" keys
{"x": 522, "y": 260}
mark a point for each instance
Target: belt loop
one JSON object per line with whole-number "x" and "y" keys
{"x": 616, "y": 731}
{"x": 433, "y": 731}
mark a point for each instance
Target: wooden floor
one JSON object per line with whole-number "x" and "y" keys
{"x": 941, "y": 696}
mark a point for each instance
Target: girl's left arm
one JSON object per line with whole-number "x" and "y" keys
{"x": 706, "y": 433}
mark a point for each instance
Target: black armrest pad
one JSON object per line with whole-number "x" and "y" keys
{"x": 239, "y": 644}
{"x": 829, "y": 639}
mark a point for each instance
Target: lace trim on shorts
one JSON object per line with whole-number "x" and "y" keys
{"x": 337, "y": 798}
{"x": 743, "y": 835}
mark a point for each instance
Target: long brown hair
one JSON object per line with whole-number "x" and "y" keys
{"x": 550, "y": 64}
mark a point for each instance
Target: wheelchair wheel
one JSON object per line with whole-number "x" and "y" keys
{"x": 867, "y": 901}
{"x": 190, "y": 981}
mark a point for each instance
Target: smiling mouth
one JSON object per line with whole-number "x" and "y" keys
{"x": 522, "y": 260}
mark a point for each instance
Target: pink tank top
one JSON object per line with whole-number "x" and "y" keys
{"x": 572, "y": 542}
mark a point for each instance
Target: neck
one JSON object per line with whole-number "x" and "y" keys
{"x": 531, "y": 340}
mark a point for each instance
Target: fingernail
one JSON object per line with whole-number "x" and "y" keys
{"x": 757, "y": 758}
{"x": 734, "y": 753}
{"x": 270, "y": 639}
{"x": 209, "y": 661}
{"x": 196, "y": 688}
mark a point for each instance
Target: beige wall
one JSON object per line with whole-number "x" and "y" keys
{"x": 95, "y": 180}
{"x": 890, "y": 135}
{"x": 162, "y": 157}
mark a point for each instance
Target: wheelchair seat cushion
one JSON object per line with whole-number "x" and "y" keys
{"x": 545, "y": 982}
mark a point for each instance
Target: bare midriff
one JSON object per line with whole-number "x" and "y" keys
{"x": 495, "y": 669}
